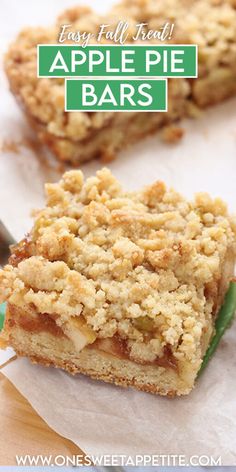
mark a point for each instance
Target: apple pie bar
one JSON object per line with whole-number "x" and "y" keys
{"x": 122, "y": 286}
{"x": 79, "y": 136}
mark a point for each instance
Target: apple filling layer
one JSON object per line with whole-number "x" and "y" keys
{"x": 81, "y": 335}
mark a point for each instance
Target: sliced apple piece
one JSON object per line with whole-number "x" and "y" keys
{"x": 79, "y": 332}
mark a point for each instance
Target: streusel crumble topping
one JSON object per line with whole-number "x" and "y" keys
{"x": 136, "y": 264}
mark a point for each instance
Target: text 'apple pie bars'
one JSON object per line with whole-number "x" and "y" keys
{"x": 79, "y": 136}
{"x": 121, "y": 286}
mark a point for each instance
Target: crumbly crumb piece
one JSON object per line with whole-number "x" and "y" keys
{"x": 172, "y": 134}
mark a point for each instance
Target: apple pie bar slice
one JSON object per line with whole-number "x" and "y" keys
{"x": 122, "y": 286}
{"x": 80, "y": 136}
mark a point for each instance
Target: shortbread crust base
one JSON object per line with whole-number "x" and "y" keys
{"x": 44, "y": 348}
{"x": 123, "y": 130}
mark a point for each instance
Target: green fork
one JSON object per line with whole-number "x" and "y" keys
{"x": 6, "y": 240}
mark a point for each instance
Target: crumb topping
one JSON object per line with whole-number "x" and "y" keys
{"x": 143, "y": 265}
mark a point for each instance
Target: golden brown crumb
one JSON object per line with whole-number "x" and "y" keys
{"x": 9, "y": 146}
{"x": 172, "y": 134}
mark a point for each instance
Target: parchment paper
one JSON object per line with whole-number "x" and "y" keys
{"x": 103, "y": 419}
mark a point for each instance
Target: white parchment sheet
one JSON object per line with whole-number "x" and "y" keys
{"x": 99, "y": 418}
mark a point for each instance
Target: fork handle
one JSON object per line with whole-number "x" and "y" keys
{"x": 2, "y": 314}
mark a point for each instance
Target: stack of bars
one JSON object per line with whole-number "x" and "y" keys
{"x": 122, "y": 286}
{"x": 77, "y": 137}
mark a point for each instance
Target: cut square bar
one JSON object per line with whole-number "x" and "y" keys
{"x": 76, "y": 137}
{"x": 121, "y": 286}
